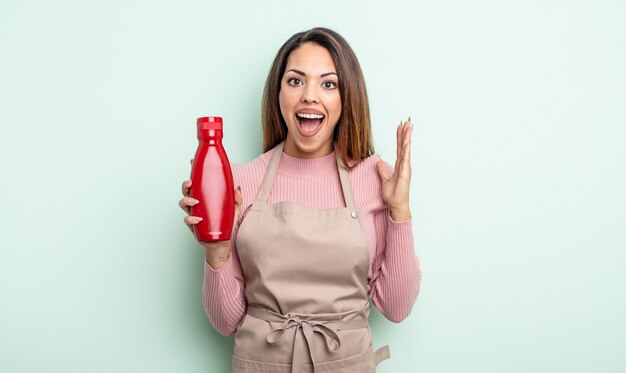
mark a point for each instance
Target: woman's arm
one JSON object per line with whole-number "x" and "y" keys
{"x": 222, "y": 289}
{"x": 223, "y": 294}
{"x": 396, "y": 275}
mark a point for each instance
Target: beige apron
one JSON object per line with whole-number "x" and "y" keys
{"x": 306, "y": 286}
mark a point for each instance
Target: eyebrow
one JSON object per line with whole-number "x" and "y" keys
{"x": 303, "y": 74}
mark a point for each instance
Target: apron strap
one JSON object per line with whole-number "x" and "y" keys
{"x": 270, "y": 174}
{"x": 345, "y": 184}
{"x": 382, "y": 354}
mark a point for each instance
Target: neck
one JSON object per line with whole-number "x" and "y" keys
{"x": 293, "y": 150}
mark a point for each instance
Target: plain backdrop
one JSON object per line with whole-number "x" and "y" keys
{"x": 518, "y": 192}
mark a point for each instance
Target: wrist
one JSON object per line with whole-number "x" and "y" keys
{"x": 400, "y": 215}
{"x": 217, "y": 255}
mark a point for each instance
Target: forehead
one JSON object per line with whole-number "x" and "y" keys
{"x": 310, "y": 56}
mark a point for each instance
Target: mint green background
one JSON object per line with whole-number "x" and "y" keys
{"x": 518, "y": 193}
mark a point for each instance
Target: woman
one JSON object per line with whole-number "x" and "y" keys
{"x": 323, "y": 224}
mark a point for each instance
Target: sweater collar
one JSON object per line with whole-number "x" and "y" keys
{"x": 307, "y": 168}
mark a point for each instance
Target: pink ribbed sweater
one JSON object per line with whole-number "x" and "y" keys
{"x": 394, "y": 275}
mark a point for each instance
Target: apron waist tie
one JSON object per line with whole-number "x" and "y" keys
{"x": 307, "y": 329}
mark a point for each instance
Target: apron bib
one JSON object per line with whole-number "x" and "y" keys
{"x": 306, "y": 286}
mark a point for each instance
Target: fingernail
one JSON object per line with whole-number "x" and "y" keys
{"x": 195, "y": 201}
{"x": 198, "y": 219}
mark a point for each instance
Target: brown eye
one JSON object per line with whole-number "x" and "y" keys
{"x": 329, "y": 85}
{"x": 294, "y": 81}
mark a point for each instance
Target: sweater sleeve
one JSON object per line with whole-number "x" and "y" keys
{"x": 223, "y": 295}
{"x": 396, "y": 274}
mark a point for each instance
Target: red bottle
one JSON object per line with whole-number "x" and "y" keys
{"x": 212, "y": 184}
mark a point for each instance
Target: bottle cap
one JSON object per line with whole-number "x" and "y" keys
{"x": 209, "y": 123}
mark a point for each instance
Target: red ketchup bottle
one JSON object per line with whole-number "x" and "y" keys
{"x": 212, "y": 184}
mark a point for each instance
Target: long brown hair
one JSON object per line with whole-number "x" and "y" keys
{"x": 353, "y": 133}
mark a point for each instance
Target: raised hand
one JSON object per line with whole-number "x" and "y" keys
{"x": 396, "y": 186}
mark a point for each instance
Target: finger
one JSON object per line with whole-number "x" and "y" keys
{"x": 404, "y": 162}
{"x": 410, "y": 137}
{"x": 384, "y": 174}
{"x": 238, "y": 197}
{"x": 406, "y": 133}
{"x": 406, "y": 159}
{"x": 398, "y": 146}
{"x": 401, "y": 143}
{"x": 398, "y": 137}
{"x": 185, "y": 187}
{"x": 187, "y": 202}
{"x": 407, "y": 153}
{"x": 238, "y": 203}
{"x": 192, "y": 220}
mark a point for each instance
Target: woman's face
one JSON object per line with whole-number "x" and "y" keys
{"x": 309, "y": 101}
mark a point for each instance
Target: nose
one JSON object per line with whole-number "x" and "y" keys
{"x": 309, "y": 95}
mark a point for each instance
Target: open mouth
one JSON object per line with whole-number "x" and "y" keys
{"x": 309, "y": 124}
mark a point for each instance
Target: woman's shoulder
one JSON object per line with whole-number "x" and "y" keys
{"x": 249, "y": 176}
{"x": 366, "y": 184}
{"x": 366, "y": 167}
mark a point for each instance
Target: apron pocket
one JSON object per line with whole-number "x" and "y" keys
{"x": 240, "y": 365}
{"x": 362, "y": 363}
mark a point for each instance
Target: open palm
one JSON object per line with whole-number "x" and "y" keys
{"x": 396, "y": 186}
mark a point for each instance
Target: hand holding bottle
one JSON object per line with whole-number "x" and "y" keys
{"x": 218, "y": 252}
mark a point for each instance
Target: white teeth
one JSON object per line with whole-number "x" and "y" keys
{"x": 310, "y": 116}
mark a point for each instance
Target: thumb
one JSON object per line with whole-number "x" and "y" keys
{"x": 238, "y": 197}
{"x": 383, "y": 172}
